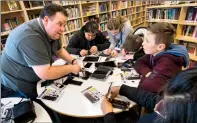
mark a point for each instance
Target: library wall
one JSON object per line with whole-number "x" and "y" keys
{"x": 15, "y": 13}
{"x": 183, "y": 16}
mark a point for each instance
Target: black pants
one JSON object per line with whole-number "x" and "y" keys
{"x": 7, "y": 92}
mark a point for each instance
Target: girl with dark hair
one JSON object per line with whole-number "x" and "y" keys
{"x": 89, "y": 40}
{"x": 178, "y": 105}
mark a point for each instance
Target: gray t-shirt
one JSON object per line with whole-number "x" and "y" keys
{"x": 27, "y": 45}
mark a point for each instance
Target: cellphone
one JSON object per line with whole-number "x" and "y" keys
{"x": 88, "y": 65}
{"x": 91, "y": 98}
{"x": 86, "y": 75}
{"x": 108, "y": 92}
{"x": 52, "y": 98}
{"x": 106, "y": 63}
{"x": 71, "y": 81}
{"x": 91, "y": 59}
{"x": 120, "y": 104}
{"x": 120, "y": 64}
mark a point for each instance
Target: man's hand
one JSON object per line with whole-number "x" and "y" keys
{"x": 114, "y": 91}
{"x": 75, "y": 62}
{"x": 114, "y": 53}
{"x": 76, "y": 69}
{"x": 107, "y": 51}
{"x": 84, "y": 52}
{"x": 93, "y": 50}
{"x": 106, "y": 106}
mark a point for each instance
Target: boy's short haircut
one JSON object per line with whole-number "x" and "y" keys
{"x": 132, "y": 43}
{"x": 164, "y": 33}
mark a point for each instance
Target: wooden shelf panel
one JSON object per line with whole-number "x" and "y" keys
{"x": 73, "y": 18}
{"x": 34, "y": 8}
{"x": 172, "y": 6}
{"x": 188, "y": 23}
{"x": 7, "y": 12}
{"x": 193, "y": 57}
{"x": 103, "y": 22}
{"x": 71, "y": 31}
{"x": 163, "y": 20}
{"x": 89, "y": 15}
{"x": 187, "y": 38}
{"x": 103, "y": 12}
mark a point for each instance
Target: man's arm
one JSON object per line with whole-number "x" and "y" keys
{"x": 141, "y": 97}
{"x": 52, "y": 72}
{"x": 142, "y": 65}
{"x": 73, "y": 44}
{"x": 63, "y": 54}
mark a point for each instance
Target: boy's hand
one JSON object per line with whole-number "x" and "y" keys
{"x": 93, "y": 50}
{"x": 107, "y": 51}
{"x": 83, "y": 52}
{"x": 123, "y": 52}
{"x": 106, "y": 106}
{"x": 114, "y": 53}
{"x": 114, "y": 91}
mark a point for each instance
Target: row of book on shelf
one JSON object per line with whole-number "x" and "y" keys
{"x": 191, "y": 14}
{"x": 192, "y": 64}
{"x": 11, "y": 23}
{"x": 173, "y": 14}
{"x": 103, "y": 7}
{"x": 73, "y": 12}
{"x": 90, "y": 10}
{"x": 189, "y": 30}
{"x": 73, "y": 25}
{"x": 191, "y": 47}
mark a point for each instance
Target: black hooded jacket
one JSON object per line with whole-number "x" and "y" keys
{"x": 79, "y": 42}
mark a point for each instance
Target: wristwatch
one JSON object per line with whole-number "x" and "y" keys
{"x": 73, "y": 61}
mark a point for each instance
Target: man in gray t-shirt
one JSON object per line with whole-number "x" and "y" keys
{"x": 28, "y": 53}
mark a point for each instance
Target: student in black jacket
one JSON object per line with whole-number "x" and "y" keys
{"x": 89, "y": 40}
{"x": 178, "y": 105}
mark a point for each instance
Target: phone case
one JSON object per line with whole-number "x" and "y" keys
{"x": 120, "y": 104}
{"x": 52, "y": 98}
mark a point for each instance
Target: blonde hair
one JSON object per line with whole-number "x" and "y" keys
{"x": 116, "y": 23}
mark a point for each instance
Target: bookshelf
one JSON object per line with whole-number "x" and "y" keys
{"x": 79, "y": 13}
{"x": 184, "y": 18}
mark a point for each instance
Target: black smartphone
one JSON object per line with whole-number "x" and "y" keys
{"x": 86, "y": 75}
{"x": 106, "y": 63}
{"x": 88, "y": 65}
{"x": 120, "y": 64}
{"x": 91, "y": 59}
{"x": 74, "y": 82}
{"x": 71, "y": 81}
{"x": 52, "y": 98}
{"x": 120, "y": 104}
